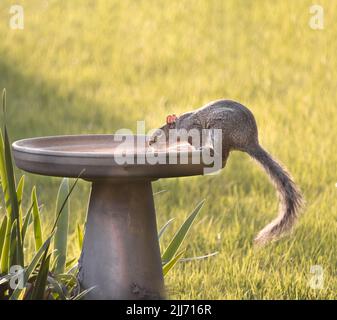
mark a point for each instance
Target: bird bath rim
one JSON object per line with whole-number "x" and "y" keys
{"x": 26, "y": 146}
{"x": 68, "y": 155}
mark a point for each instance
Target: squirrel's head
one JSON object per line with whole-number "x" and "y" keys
{"x": 172, "y": 123}
{"x": 162, "y": 134}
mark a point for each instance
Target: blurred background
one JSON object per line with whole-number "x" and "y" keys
{"x": 97, "y": 66}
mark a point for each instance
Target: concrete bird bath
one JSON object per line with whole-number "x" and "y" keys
{"x": 120, "y": 255}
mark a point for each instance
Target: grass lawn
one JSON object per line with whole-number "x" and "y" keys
{"x": 97, "y": 66}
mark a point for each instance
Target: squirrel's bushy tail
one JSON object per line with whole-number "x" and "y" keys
{"x": 289, "y": 195}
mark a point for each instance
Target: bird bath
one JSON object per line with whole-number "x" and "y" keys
{"x": 120, "y": 255}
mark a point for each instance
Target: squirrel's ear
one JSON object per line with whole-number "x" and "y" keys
{"x": 171, "y": 119}
{"x": 168, "y": 119}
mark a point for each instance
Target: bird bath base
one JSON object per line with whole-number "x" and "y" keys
{"x": 120, "y": 257}
{"x": 121, "y": 219}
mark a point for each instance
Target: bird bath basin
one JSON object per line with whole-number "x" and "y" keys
{"x": 120, "y": 255}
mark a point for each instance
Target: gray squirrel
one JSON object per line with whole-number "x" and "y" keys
{"x": 239, "y": 132}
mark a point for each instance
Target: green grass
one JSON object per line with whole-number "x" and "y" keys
{"x": 96, "y": 66}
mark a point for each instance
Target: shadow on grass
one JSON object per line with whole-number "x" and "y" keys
{"x": 37, "y": 108}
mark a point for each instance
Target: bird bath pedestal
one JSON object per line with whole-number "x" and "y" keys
{"x": 120, "y": 256}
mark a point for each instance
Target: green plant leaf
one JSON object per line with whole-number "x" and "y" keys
{"x": 36, "y": 220}
{"x": 4, "y": 279}
{"x": 61, "y": 234}
{"x": 14, "y": 212}
{"x": 66, "y": 199}
{"x": 44, "y": 248}
{"x": 70, "y": 282}
{"x": 10, "y": 196}
{"x": 73, "y": 270}
{"x": 13, "y": 246}
{"x": 54, "y": 262}
{"x": 5, "y": 190}
{"x": 67, "y": 278}
{"x": 180, "y": 235}
{"x": 26, "y": 222}
{"x": 83, "y": 293}
{"x": 19, "y": 194}
{"x": 70, "y": 263}
{"x": 57, "y": 288}
{"x": 159, "y": 192}
{"x": 9, "y": 189}
{"x": 3, "y": 228}
{"x": 199, "y": 257}
{"x": 168, "y": 266}
{"x": 164, "y": 227}
{"x": 31, "y": 267}
{"x": 6, "y": 247}
{"x": 79, "y": 236}
{"x": 41, "y": 280}
{"x": 38, "y": 255}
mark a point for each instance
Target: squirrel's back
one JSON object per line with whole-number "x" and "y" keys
{"x": 237, "y": 122}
